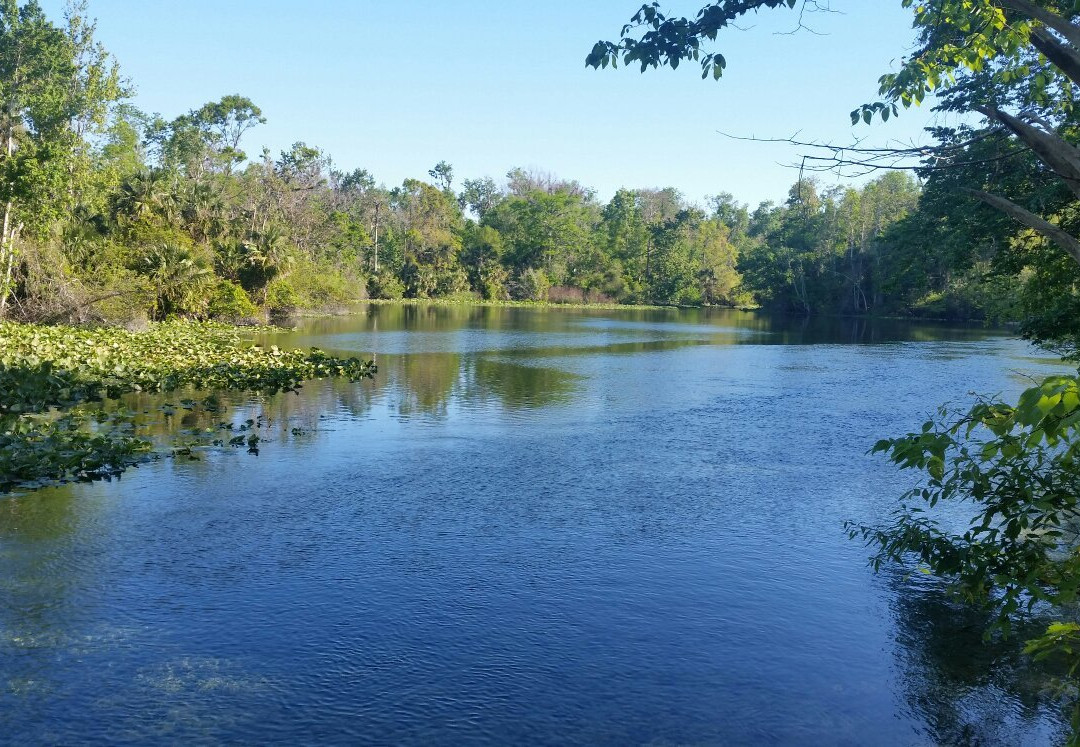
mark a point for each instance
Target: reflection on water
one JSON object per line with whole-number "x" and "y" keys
{"x": 968, "y": 690}
{"x": 533, "y": 526}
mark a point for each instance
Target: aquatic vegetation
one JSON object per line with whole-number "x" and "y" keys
{"x": 42, "y": 367}
{"x": 47, "y": 373}
{"x": 34, "y": 452}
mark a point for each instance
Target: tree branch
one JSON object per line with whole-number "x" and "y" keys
{"x": 1058, "y": 23}
{"x": 1060, "y": 156}
{"x": 1063, "y": 57}
{"x": 1044, "y": 227}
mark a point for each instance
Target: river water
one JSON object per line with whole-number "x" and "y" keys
{"x": 534, "y": 526}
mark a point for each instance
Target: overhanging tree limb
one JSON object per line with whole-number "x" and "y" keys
{"x": 1058, "y": 23}
{"x": 1060, "y": 156}
{"x": 1067, "y": 59}
{"x": 1044, "y": 227}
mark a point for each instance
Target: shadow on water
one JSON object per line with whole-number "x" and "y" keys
{"x": 374, "y": 325}
{"x": 965, "y": 689}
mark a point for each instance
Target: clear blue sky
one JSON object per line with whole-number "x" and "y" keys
{"x": 397, "y": 85}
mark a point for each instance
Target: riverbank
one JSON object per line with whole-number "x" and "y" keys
{"x": 503, "y": 304}
{"x": 466, "y": 302}
{"x": 53, "y": 377}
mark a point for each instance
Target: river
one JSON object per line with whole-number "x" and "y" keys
{"x": 534, "y": 526}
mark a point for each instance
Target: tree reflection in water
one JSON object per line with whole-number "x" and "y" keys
{"x": 966, "y": 689}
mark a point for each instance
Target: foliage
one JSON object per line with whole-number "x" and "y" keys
{"x": 533, "y": 285}
{"x": 230, "y": 302}
{"x": 386, "y": 287}
{"x": 1015, "y": 62}
{"x": 157, "y": 217}
{"x": 1017, "y": 469}
{"x": 44, "y": 369}
{"x": 38, "y": 452}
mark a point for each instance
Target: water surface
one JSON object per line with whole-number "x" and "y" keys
{"x": 539, "y": 526}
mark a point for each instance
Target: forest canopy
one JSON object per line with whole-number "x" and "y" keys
{"x": 112, "y": 213}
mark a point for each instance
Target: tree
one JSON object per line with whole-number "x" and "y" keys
{"x": 443, "y": 174}
{"x": 55, "y": 86}
{"x": 987, "y": 56}
{"x": 479, "y": 196}
{"x": 225, "y": 122}
{"x": 206, "y": 140}
{"x": 481, "y": 255}
{"x": 544, "y": 230}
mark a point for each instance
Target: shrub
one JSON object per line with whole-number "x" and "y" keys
{"x": 493, "y": 281}
{"x": 319, "y": 287}
{"x": 420, "y": 280}
{"x": 532, "y": 285}
{"x": 385, "y": 286}
{"x": 566, "y": 294}
{"x": 451, "y": 282}
{"x": 597, "y": 296}
{"x": 180, "y": 273}
{"x": 281, "y": 296}
{"x": 230, "y": 301}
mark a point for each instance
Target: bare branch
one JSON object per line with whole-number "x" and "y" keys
{"x": 855, "y": 160}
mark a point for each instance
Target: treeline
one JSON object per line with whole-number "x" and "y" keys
{"x": 113, "y": 214}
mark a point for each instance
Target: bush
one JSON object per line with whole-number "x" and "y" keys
{"x": 451, "y": 282}
{"x": 180, "y": 273}
{"x": 281, "y": 296}
{"x": 690, "y": 296}
{"x": 385, "y": 286}
{"x": 320, "y": 287}
{"x": 230, "y": 301}
{"x": 532, "y": 285}
{"x": 566, "y": 294}
{"x": 492, "y": 283}
{"x": 420, "y": 280}
{"x": 596, "y": 296}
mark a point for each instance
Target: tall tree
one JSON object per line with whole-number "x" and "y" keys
{"x": 55, "y": 86}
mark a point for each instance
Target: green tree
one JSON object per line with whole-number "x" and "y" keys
{"x": 37, "y": 67}
{"x": 479, "y": 196}
{"x": 443, "y": 174}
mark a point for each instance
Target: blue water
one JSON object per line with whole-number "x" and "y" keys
{"x": 532, "y": 527}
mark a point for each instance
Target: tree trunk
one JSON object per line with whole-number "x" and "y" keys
{"x": 376, "y": 238}
{"x": 8, "y": 231}
{"x": 1063, "y": 57}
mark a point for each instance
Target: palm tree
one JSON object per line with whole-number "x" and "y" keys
{"x": 181, "y": 278}
{"x": 144, "y": 195}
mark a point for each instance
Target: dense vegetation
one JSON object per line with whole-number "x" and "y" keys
{"x": 112, "y": 214}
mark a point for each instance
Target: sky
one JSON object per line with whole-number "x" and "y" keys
{"x": 487, "y": 85}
